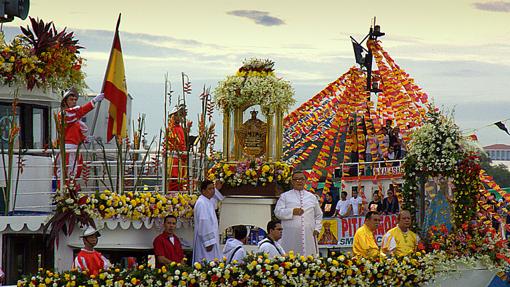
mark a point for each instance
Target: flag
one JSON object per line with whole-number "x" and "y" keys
{"x": 115, "y": 90}
{"x": 502, "y": 127}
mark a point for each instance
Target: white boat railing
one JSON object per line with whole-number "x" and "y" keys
{"x": 371, "y": 168}
{"x": 36, "y": 174}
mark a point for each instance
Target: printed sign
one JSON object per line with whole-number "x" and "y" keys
{"x": 392, "y": 170}
{"x": 343, "y": 230}
{"x": 329, "y": 232}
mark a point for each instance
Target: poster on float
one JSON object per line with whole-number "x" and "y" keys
{"x": 339, "y": 232}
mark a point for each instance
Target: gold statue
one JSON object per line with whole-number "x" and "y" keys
{"x": 252, "y": 136}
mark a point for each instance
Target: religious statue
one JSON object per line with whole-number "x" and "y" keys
{"x": 252, "y": 137}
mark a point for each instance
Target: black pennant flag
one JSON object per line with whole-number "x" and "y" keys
{"x": 502, "y": 127}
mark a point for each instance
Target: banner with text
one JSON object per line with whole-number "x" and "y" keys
{"x": 339, "y": 232}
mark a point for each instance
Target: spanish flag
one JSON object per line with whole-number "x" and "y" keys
{"x": 115, "y": 90}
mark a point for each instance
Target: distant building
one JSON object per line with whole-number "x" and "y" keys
{"x": 498, "y": 152}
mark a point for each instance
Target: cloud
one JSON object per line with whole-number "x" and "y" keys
{"x": 494, "y": 6}
{"x": 260, "y": 17}
{"x": 472, "y": 78}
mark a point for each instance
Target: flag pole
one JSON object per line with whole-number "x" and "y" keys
{"x": 94, "y": 121}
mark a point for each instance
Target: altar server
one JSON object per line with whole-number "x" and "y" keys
{"x": 206, "y": 242}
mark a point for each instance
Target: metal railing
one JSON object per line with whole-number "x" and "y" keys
{"x": 37, "y": 178}
{"x": 389, "y": 167}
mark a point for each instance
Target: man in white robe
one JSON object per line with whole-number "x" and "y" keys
{"x": 206, "y": 241}
{"x": 301, "y": 217}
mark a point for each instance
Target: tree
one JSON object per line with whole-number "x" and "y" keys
{"x": 499, "y": 172}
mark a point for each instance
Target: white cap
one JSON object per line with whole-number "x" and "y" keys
{"x": 177, "y": 108}
{"x": 90, "y": 231}
{"x": 69, "y": 92}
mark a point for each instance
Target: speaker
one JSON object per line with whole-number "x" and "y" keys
{"x": 13, "y": 8}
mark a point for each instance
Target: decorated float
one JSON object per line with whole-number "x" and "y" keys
{"x": 121, "y": 184}
{"x": 335, "y": 130}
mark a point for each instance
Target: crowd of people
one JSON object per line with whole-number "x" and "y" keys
{"x": 354, "y": 206}
{"x": 296, "y": 228}
{"x": 393, "y": 141}
{"x": 383, "y": 145}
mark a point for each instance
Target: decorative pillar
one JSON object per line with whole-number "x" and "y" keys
{"x": 226, "y": 135}
{"x": 269, "y": 137}
{"x": 279, "y": 135}
{"x": 238, "y": 122}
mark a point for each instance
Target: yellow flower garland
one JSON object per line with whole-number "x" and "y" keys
{"x": 130, "y": 205}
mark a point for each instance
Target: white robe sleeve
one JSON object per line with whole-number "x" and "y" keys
{"x": 106, "y": 263}
{"x": 217, "y": 197}
{"x": 206, "y": 231}
{"x": 388, "y": 242}
{"x": 281, "y": 210}
{"x": 318, "y": 216}
{"x": 80, "y": 264}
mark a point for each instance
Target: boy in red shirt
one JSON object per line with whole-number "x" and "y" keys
{"x": 167, "y": 246}
{"x": 88, "y": 258}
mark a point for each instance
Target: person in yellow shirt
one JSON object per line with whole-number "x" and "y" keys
{"x": 364, "y": 240}
{"x": 400, "y": 241}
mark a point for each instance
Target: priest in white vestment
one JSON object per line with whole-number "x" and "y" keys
{"x": 206, "y": 240}
{"x": 301, "y": 217}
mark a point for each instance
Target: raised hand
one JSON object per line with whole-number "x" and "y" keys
{"x": 98, "y": 98}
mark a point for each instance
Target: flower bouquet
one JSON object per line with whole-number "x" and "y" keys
{"x": 42, "y": 57}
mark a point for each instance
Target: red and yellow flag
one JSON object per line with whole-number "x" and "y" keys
{"x": 115, "y": 90}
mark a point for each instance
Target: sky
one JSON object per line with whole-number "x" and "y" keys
{"x": 457, "y": 51}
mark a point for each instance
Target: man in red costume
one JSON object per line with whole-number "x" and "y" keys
{"x": 89, "y": 259}
{"x": 177, "y": 160}
{"x": 75, "y": 129}
{"x": 167, "y": 246}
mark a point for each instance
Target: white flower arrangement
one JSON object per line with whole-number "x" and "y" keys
{"x": 437, "y": 145}
{"x": 255, "y": 84}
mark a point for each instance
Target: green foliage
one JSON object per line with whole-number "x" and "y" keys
{"x": 499, "y": 172}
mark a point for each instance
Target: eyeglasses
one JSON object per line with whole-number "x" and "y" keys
{"x": 298, "y": 179}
